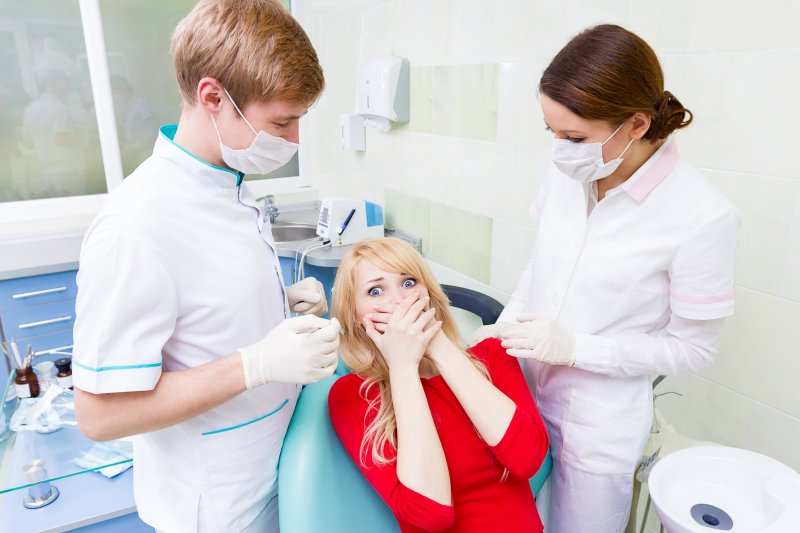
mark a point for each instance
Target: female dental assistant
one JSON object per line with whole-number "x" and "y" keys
{"x": 179, "y": 271}
{"x": 631, "y": 276}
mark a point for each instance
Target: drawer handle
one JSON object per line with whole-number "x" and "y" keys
{"x": 37, "y": 293}
{"x": 45, "y": 322}
{"x": 59, "y": 350}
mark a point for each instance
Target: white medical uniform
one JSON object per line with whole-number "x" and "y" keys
{"x": 178, "y": 270}
{"x": 643, "y": 278}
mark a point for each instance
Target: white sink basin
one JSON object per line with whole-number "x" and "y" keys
{"x": 717, "y": 488}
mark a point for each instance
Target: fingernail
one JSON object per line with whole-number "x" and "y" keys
{"x": 369, "y": 316}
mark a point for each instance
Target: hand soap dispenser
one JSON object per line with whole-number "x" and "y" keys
{"x": 383, "y": 91}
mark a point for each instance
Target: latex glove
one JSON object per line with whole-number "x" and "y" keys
{"x": 307, "y": 296}
{"x": 298, "y": 350}
{"x": 489, "y": 330}
{"x": 540, "y": 339}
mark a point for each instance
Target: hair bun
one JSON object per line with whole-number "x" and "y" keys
{"x": 670, "y": 115}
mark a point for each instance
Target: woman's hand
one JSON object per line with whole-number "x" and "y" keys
{"x": 406, "y": 332}
{"x": 383, "y": 313}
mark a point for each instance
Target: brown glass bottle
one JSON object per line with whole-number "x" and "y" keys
{"x": 26, "y": 383}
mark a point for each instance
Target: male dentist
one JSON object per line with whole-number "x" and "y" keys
{"x": 181, "y": 335}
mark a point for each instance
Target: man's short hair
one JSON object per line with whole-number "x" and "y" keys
{"x": 255, "y": 48}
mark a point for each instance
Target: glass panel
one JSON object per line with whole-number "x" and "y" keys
{"x": 143, "y": 85}
{"x": 48, "y": 134}
{"x": 58, "y": 450}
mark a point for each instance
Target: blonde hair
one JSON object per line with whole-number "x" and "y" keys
{"x": 360, "y": 354}
{"x": 253, "y": 47}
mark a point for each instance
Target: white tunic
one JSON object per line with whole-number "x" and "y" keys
{"x": 178, "y": 270}
{"x": 642, "y": 279}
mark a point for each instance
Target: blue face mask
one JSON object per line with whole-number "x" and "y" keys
{"x": 583, "y": 162}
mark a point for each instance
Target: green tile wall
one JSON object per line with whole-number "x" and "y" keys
{"x": 455, "y": 238}
{"x": 455, "y": 100}
{"x": 421, "y": 111}
{"x": 411, "y": 214}
{"x": 465, "y": 101}
{"x": 461, "y": 241}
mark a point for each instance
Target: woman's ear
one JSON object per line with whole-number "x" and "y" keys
{"x": 641, "y": 123}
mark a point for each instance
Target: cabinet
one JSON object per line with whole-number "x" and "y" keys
{"x": 40, "y": 311}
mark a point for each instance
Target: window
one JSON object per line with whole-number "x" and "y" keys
{"x": 48, "y": 133}
{"x": 73, "y": 123}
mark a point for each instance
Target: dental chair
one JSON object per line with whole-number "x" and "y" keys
{"x": 319, "y": 486}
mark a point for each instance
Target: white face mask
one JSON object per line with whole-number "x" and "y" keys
{"x": 583, "y": 162}
{"x": 265, "y": 153}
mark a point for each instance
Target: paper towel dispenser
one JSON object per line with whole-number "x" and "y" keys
{"x": 382, "y": 91}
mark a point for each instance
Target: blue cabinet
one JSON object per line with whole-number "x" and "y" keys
{"x": 40, "y": 311}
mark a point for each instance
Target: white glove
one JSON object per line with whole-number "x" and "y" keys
{"x": 298, "y": 350}
{"x": 540, "y": 339}
{"x": 489, "y": 330}
{"x": 307, "y": 296}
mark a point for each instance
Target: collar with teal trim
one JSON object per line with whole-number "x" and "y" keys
{"x": 212, "y": 175}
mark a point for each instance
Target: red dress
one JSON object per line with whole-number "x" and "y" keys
{"x": 482, "y": 501}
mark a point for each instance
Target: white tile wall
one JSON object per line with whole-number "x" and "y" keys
{"x": 769, "y": 236}
{"x": 743, "y": 103}
{"x": 511, "y": 247}
{"x": 735, "y": 64}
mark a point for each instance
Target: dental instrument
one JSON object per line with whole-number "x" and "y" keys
{"x": 346, "y": 222}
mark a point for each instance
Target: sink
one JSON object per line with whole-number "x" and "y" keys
{"x": 293, "y": 232}
{"x": 719, "y": 488}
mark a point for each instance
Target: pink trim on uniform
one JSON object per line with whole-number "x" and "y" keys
{"x": 711, "y": 299}
{"x": 654, "y": 175}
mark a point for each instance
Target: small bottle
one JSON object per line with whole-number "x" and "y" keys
{"x": 46, "y": 372}
{"x": 64, "y": 376}
{"x": 26, "y": 383}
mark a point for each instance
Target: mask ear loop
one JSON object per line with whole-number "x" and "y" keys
{"x": 611, "y": 136}
{"x": 626, "y": 149}
{"x": 214, "y": 122}
{"x": 242, "y": 114}
{"x": 604, "y": 142}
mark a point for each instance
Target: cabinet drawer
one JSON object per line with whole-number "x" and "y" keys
{"x": 39, "y": 320}
{"x": 61, "y": 341}
{"x": 37, "y": 290}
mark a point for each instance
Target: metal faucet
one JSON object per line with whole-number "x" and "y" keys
{"x": 270, "y": 208}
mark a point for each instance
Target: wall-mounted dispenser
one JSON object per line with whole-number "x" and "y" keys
{"x": 382, "y": 93}
{"x": 382, "y": 89}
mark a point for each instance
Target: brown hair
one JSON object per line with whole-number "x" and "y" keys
{"x": 253, "y": 47}
{"x": 608, "y": 73}
{"x": 360, "y": 354}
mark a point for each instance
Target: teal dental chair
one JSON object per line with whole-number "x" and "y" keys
{"x": 320, "y": 488}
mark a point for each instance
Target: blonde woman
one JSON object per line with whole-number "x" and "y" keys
{"x": 447, "y": 438}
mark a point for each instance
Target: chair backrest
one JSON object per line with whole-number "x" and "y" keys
{"x": 320, "y": 487}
